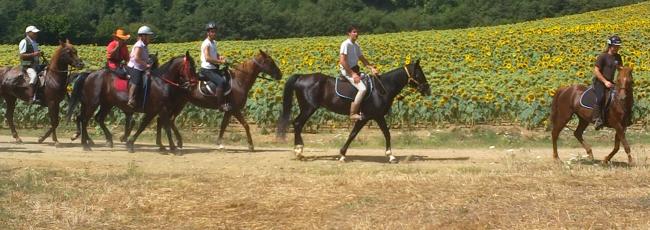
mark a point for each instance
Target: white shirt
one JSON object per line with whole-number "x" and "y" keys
{"x": 352, "y": 51}
{"x": 144, "y": 56}
{"x": 22, "y": 46}
{"x": 212, "y": 51}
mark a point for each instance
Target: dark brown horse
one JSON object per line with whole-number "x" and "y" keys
{"x": 14, "y": 85}
{"x": 243, "y": 78}
{"x": 317, "y": 90}
{"x": 97, "y": 91}
{"x": 566, "y": 102}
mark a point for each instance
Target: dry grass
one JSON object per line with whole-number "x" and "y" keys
{"x": 52, "y": 188}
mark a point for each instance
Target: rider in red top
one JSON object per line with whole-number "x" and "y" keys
{"x": 117, "y": 54}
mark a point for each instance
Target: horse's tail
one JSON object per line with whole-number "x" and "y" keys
{"x": 77, "y": 89}
{"x": 287, "y": 100}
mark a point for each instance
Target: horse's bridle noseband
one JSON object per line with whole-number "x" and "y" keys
{"x": 410, "y": 78}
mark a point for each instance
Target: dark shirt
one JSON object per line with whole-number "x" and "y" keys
{"x": 608, "y": 64}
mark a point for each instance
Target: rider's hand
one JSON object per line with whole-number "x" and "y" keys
{"x": 608, "y": 84}
{"x": 374, "y": 71}
{"x": 148, "y": 66}
{"x": 356, "y": 77}
{"x": 36, "y": 53}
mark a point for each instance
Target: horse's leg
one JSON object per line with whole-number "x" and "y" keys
{"x": 9, "y": 115}
{"x": 384, "y": 129}
{"x": 100, "y": 117}
{"x": 243, "y": 122}
{"x": 357, "y": 127}
{"x": 128, "y": 125}
{"x": 558, "y": 124}
{"x": 222, "y": 129}
{"x": 143, "y": 124}
{"x": 298, "y": 124}
{"x": 78, "y": 125}
{"x": 582, "y": 125}
{"x": 161, "y": 147}
{"x": 617, "y": 144}
{"x": 620, "y": 137}
{"x": 164, "y": 118}
{"x": 179, "y": 138}
{"x": 53, "y": 112}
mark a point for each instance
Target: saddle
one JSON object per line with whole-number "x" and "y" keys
{"x": 120, "y": 79}
{"x": 207, "y": 87}
{"x": 588, "y": 100}
{"x": 345, "y": 89}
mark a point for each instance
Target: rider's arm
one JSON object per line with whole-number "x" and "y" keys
{"x": 23, "y": 51}
{"x": 210, "y": 59}
{"x": 343, "y": 60}
{"x": 599, "y": 75}
{"x": 367, "y": 64}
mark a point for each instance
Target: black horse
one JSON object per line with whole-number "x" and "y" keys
{"x": 317, "y": 89}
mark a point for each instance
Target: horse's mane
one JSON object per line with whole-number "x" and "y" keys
{"x": 165, "y": 67}
{"x": 395, "y": 70}
{"x": 54, "y": 63}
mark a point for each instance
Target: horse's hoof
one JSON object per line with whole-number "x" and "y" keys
{"x": 162, "y": 149}
{"x": 109, "y": 144}
{"x": 178, "y": 152}
{"x": 18, "y": 140}
{"x": 123, "y": 139}
{"x": 392, "y": 160}
{"x": 57, "y": 144}
{"x": 40, "y": 140}
{"x": 129, "y": 147}
{"x": 343, "y": 159}
{"x": 74, "y": 137}
{"x": 91, "y": 142}
{"x": 87, "y": 148}
{"x": 251, "y": 148}
{"x": 300, "y": 157}
{"x": 298, "y": 150}
{"x": 221, "y": 147}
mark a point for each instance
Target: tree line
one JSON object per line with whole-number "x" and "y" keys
{"x": 93, "y": 22}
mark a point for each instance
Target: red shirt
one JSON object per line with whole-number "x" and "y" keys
{"x": 123, "y": 54}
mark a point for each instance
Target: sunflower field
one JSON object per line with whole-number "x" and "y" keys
{"x": 487, "y": 75}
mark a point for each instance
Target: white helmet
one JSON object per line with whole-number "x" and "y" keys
{"x": 145, "y": 30}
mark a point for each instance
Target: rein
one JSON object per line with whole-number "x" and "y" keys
{"x": 410, "y": 78}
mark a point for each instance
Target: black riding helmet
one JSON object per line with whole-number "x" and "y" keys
{"x": 210, "y": 25}
{"x": 614, "y": 41}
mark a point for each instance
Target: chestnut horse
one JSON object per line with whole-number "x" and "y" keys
{"x": 14, "y": 84}
{"x": 317, "y": 90}
{"x": 243, "y": 78}
{"x": 566, "y": 102}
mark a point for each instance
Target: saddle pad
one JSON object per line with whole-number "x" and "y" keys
{"x": 207, "y": 88}
{"x": 588, "y": 98}
{"x": 120, "y": 84}
{"x": 344, "y": 88}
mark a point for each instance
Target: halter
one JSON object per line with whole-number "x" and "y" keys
{"x": 185, "y": 71}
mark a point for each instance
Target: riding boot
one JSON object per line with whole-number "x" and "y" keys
{"x": 354, "y": 111}
{"x": 131, "y": 102}
{"x": 595, "y": 115}
{"x": 35, "y": 97}
{"x": 223, "y": 106}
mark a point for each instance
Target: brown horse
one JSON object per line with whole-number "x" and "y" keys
{"x": 317, "y": 90}
{"x": 96, "y": 90}
{"x": 14, "y": 85}
{"x": 566, "y": 102}
{"x": 243, "y": 78}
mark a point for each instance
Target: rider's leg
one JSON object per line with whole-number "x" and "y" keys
{"x": 599, "y": 89}
{"x": 355, "y": 107}
{"x": 134, "y": 81}
{"x": 32, "y": 83}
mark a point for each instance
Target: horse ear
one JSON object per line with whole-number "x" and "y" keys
{"x": 67, "y": 41}
{"x": 417, "y": 62}
{"x": 187, "y": 53}
{"x": 263, "y": 53}
{"x": 61, "y": 43}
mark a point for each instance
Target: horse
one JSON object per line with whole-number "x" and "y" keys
{"x": 566, "y": 102}
{"x": 102, "y": 83}
{"x": 317, "y": 90}
{"x": 243, "y": 78}
{"x": 97, "y": 90}
{"x": 14, "y": 85}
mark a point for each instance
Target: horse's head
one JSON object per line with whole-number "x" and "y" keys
{"x": 178, "y": 71}
{"x": 625, "y": 83}
{"x": 266, "y": 63}
{"x": 417, "y": 79}
{"x": 67, "y": 54}
{"x": 153, "y": 60}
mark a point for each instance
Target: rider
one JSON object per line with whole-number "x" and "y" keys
{"x": 138, "y": 62}
{"x": 350, "y": 55}
{"x": 29, "y": 57}
{"x": 210, "y": 60}
{"x": 117, "y": 54}
{"x": 606, "y": 64}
